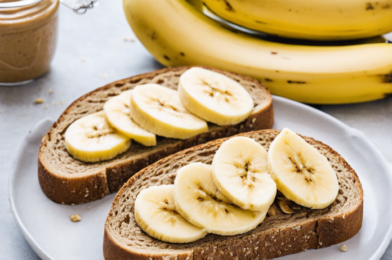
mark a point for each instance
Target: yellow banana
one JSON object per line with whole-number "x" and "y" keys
{"x": 177, "y": 34}
{"x": 308, "y": 19}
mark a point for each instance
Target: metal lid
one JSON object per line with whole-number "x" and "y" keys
{"x": 79, "y": 6}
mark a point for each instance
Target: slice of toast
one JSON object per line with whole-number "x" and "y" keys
{"x": 277, "y": 236}
{"x": 69, "y": 181}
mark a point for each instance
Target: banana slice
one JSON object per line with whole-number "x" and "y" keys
{"x": 214, "y": 97}
{"x": 301, "y": 173}
{"x": 240, "y": 171}
{"x": 198, "y": 200}
{"x": 118, "y": 114}
{"x": 92, "y": 139}
{"x": 159, "y": 110}
{"x": 156, "y": 214}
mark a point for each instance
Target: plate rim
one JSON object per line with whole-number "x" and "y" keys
{"x": 26, "y": 234}
{"x": 43, "y": 255}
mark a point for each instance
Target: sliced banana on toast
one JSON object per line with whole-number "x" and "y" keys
{"x": 92, "y": 139}
{"x": 159, "y": 110}
{"x": 198, "y": 200}
{"x": 240, "y": 171}
{"x": 214, "y": 97}
{"x": 117, "y": 111}
{"x": 156, "y": 214}
{"x": 301, "y": 173}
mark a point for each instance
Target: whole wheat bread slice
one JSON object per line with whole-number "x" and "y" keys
{"x": 69, "y": 181}
{"x": 278, "y": 235}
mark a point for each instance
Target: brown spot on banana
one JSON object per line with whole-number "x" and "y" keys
{"x": 166, "y": 57}
{"x": 387, "y": 95}
{"x": 154, "y": 36}
{"x": 228, "y": 6}
{"x": 387, "y": 78}
{"x": 369, "y": 6}
{"x": 268, "y": 80}
{"x": 260, "y": 22}
{"x": 296, "y": 82}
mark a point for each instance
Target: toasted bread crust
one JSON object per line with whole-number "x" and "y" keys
{"x": 311, "y": 233}
{"x": 63, "y": 190}
{"x": 95, "y": 185}
{"x": 318, "y": 233}
{"x": 113, "y": 252}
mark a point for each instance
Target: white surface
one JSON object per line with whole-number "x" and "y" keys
{"x": 98, "y": 37}
{"x": 49, "y": 231}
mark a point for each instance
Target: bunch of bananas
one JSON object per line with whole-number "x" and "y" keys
{"x": 177, "y": 32}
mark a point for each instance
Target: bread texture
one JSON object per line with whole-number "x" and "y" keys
{"x": 277, "y": 236}
{"x": 69, "y": 181}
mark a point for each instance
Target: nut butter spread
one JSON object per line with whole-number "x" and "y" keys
{"x": 27, "y": 40}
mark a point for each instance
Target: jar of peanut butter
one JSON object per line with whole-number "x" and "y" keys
{"x": 28, "y": 36}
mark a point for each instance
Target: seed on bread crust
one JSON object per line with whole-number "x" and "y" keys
{"x": 272, "y": 211}
{"x": 283, "y": 204}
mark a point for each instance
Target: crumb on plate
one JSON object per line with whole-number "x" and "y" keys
{"x": 39, "y": 101}
{"x": 75, "y": 218}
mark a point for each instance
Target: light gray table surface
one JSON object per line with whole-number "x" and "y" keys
{"x": 93, "y": 50}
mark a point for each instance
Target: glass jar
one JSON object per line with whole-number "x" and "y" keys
{"x": 28, "y": 38}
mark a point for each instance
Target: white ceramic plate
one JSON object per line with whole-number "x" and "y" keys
{"x": 49, "y": 231}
